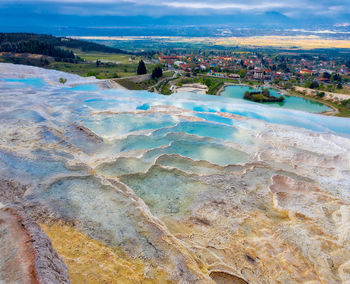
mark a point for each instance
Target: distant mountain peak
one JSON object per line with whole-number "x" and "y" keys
{"x": 276, "y": 14}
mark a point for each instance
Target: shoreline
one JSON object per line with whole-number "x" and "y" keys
{"x": 332, "y": 112}
{"x": 334, "y": 109}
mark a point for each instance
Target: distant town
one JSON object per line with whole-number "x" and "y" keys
{"x": 320, "y": 74}
{"x": 323, "y": 79}
{"x": 314, "y": 71}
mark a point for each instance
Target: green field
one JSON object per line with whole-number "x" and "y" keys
{"x": 105, "y": 71}
{"x": 111, "y": 65}
{"x": 111, "y": 57}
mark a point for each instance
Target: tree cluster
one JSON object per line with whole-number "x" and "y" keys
{"x": 337, "y": 78}
{"x": 314, "y": 85}
{"x": 262, "y": 96}
{"x": 157, "y": 72}
{"x": 58, "y": 42}
{"x": 36, "y": 47}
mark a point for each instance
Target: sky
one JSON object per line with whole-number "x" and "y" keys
{"x": 41, "y": 12}
{"x": 167, "y": 7}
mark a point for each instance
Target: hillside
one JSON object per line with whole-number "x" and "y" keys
{"x": 49, "y": 45}
{"x": 66, "y": 54}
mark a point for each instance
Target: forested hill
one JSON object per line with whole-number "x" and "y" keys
{"x": 49, "y": 45}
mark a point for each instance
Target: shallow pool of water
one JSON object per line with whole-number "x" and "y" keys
{"x": 33, "y": 82}
{"x": 213, "y": 153}
{"x": 85, "y": 88}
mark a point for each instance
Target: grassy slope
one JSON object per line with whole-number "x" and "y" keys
{"x": 116, "y": 62}
{"x": 105, "y": 71}
{"x": 130, "y": 85}
{"x": 113, "y": 65}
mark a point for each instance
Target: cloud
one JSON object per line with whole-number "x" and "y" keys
{"x": 218, "y": 6}
{"x": 292, "y": 8}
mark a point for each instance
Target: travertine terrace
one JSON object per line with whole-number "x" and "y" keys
{"x": 134, "y": 187}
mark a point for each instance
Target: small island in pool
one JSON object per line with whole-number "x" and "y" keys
{"x": 262, "y": 96}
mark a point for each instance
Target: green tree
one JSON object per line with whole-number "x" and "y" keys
{"x": 157, "y": 72}
{"x": 314, "y": 85}
{"x": 346, "y": 103}
{"x": 208, "y": 82}
{"x": 337, "y": 78}
{"x": 265, "y": 92}
{"x": 320, "y": 94}
{"x": 242, "y": 73}
{"x": 246, "y": 95}
{"x": 326, "y": 75}
{"x": 141, "y": 69}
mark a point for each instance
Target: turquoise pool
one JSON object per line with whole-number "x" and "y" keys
{"x": 290, "y": 102}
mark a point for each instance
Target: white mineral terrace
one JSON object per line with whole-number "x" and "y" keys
{"x": 184, "y": 188}
{"x": 194, "y": 88}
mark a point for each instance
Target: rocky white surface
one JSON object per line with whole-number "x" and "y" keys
{"x": 8, "y": 70}
{"x": 152, "y": 188}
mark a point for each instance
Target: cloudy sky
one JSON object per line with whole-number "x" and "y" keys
{"x": 166, "y": 7}
{"x": 15, "y": 11}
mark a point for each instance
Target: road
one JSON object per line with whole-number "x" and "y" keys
{"x": 161, "y": 81}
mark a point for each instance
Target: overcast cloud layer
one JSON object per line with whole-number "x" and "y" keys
{"x": 107, "y": 13}
{"x": 167, "y": 7}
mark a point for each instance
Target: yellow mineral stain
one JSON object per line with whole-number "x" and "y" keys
{"x": 91, "y": 261}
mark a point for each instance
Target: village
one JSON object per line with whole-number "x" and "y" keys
{"x": 319, "y": 74}
{"x": 256, "y": 67}
{"x": 323, "y": 79}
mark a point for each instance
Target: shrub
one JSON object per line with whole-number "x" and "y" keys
{"x": 314, "y": 85}
{"x": 91, "y": 73}
{"x": 346, "y": 103}
{"x": 258, "y": 98}
{"x": 63, "y": 80}
{"x": 320, "y": 94}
